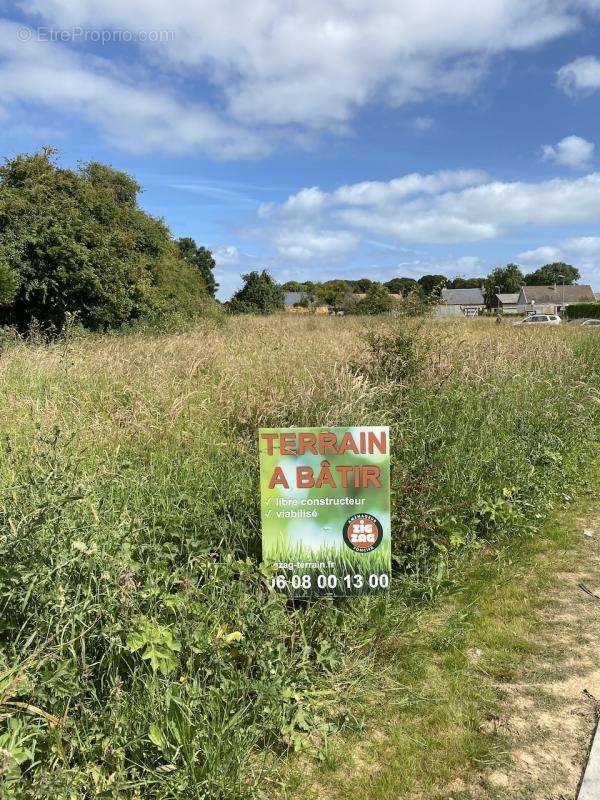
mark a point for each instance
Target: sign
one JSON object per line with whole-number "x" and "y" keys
{"x": 325, "y": 509}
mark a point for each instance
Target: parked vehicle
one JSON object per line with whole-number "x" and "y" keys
{"x": 541, "y": 319}
{"x": 585, "y": 321}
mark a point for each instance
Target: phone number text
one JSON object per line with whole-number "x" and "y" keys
{"x": 374, "y": 581}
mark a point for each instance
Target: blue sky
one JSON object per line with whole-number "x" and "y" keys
{"x": 327, "y": 139}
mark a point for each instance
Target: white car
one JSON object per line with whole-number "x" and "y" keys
{"x": 541, "y": 319}
{"x": 591, "y": 322}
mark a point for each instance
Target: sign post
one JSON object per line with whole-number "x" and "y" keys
{"x": 325, "y": 509}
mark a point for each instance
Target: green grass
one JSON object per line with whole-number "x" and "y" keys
{"x": 449, "y": 668}
{"x": 137, "y": 628}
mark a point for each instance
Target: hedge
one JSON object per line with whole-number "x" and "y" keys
{"x": 583, "y": 311}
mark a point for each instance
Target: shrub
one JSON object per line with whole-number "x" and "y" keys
{"x": 259, "y": 295}
{"x": 377, "y": 301}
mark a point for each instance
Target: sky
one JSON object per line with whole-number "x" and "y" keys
{"x": 327, "y": 138}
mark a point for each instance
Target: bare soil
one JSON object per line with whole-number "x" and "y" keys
{"x": 548, "y": 719}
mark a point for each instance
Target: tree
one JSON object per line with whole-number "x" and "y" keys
{"x": 334, "y": 293}
{"x": 404, "y": 286}
{"x": 377, "y": 301}
{"x": 549, "y": 274}
{"x": 292, "y": 286}
{"x": 259, "y": 295}
{"x": 202, "y": 259}
{"x": 362, "y": 284}
{"x": 432, "y": 283}
{"x": 417, "y": 304}
{"x": 76, "y": 242}
{"x": 503, "y": 280}
{"x": 465, "y": 283}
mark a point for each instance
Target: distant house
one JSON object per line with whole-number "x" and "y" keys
{"x": 507, "y": 302}
{"x": 397, "y": 297}
{"x": 303, "y": 303}
{"x": 460, "y": 303}
{"x": 552, "y": 299}
{"x": 294, "y": 299}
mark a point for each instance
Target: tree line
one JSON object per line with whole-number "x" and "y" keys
{"x": 508, "y": 279}
{"x": 260, "y": 294}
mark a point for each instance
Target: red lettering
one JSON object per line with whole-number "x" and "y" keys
{"x": 371, "y": 476}
{"x": 286, "y": 442}
{"x": 270, "y": 437}
{"x": 278, "y": 479}
{"x": 307, "y": 443}
{"x": 327, "y": 441}
{"x": 304, "y": 478}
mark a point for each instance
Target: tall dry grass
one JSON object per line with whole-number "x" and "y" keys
{"x": 130, "y": 543}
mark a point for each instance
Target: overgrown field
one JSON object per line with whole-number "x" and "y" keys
{"x": 141, "y": 652}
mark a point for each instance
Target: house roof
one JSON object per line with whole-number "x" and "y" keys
{"x": 556, "y": 294}
{"x": 361, "y": 295}
{"x": 291, "y": 298}
{"x": 463, "y": 297}
{"x": 508, "y": 299}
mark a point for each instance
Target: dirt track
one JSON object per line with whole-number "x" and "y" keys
{"x": 549, "y": 717}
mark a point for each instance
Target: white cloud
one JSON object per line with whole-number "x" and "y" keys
{"x": 310, "y": 64}
{"x": 226, "y": 255}
{"x": 369, "y": 193}
{"x": 312, "y": 201}
{"x": 540, "y": 255}
{"x": 580, "y": 76}
{"x": 137, "y": 116}
{"x": 576, "y": 249}
{"x": 572, "y": 151}
{"x": 305, "y": 244}
{"x": 581, "y": 251}
{"x": 444, "y": 207}
{"x": 305, "y": 201}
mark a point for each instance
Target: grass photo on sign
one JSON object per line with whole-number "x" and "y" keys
{"x": 325, "y": 509}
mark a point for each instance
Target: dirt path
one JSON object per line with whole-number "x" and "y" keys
{"x": 548, "y": 718}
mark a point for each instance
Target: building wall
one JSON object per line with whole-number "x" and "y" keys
{"x": 447, "y": 311}
{"x": 539, "y": 308}
{"x": 511, "y": 308}
{"x": 453, "y": 311}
